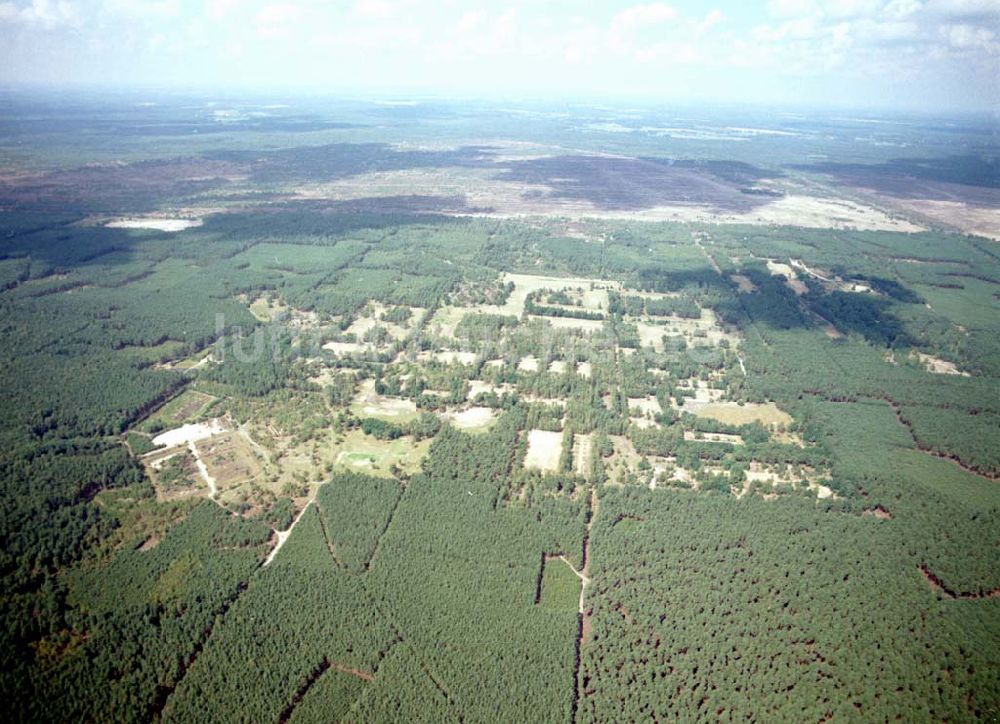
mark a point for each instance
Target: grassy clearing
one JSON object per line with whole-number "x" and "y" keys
{"x": 560, "y": 586}
{"x": 367, "y": 403}
{"x": 731, "y": 413}
{"x": 363, "y": 453}
{"x": 581, "y": 454}
{"x": 188, "y": 406}
{"x": 230, "y": 461}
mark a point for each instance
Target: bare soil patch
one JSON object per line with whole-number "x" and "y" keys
{"x": 474, "y": 418}
{"x": 544, "y": 448}
{"x": 154, "y": 223}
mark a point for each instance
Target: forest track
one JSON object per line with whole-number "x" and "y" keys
{"x": 993, "y": 477}
{"x": 283, "y": 535}
{"x": 940, "y": 586}
{"x": 213, "y": 488}
{"x": 583, "y": 616}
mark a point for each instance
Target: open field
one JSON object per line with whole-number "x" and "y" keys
{"x": 732, "y": 413}
{"x": 543, "y": 450}
{"x": 187, "y": 406}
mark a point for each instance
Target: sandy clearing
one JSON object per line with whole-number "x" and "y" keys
{"x": 581, "y": 454}
{"x": 371, "y": 403}
{"x": 940, "y": 366}
{"x": 478, "y": 387}
{"x": 691, "y": 436}
{"x": 449, "y": 357}
{"x": 190, "y": 433}
{"x": 732, "y": 413}
{"x": 544, "y": 448}
{"x": 969, "y": 218}
{"x": 213, "y": 488}
{"x": 585, "y": 325}
{"x": 528, "y": 364}
{"x": 647, "y": 404}
{"x": 345, "y": 347}
{"x": 585, "y": 369}
{"x": 446, "y": 318}
{"x": 745, "y": 285}
{"x": 557, "y": 366}
{"x": 792, "y": 280}
{"x": 156, "y": 224}
{"x": 643, "y": 423}
{"x": 472, "y": 418}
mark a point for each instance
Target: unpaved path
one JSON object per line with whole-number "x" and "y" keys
{"x": 213, "y": 488}
{"x": 283, "y": 535}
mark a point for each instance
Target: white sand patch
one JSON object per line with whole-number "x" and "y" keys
{"x": 156, "y": 224}
{"x": 494, "y": 363}
{"x": 448, "y": 357}
{"x": 473, "y": 418}
{"x": 940, "y": 366}
{"x": 544, "y": 448}
{"x": 792, "y": 280}
{"x": 190, "y": 433}
{"x": 822, "y": 492}
{"x": 585, "y": 369}
{"x": 557, "y": 366}
{"x": 344, "y": 348}
{"x": 213, "y": 488}
{"x": 691, "y": 436}
{"x": 478, "y": 387}
{"x": 585, "y": 325}
{"x": 792, "y": 210}
{"x": 643, "y": 423}
{"x": 644, "y": 405}
{"x": 528, "y": 364}
{"x": 371, "y": 403}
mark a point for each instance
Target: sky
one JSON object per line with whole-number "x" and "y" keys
{"x": 910, "y": 54}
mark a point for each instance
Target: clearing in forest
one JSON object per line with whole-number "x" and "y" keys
{"x": 154, "y": 224}
{"x": 940, "y": 366}
{"x": 745, "y": 285}
{"x": 368, "y": 403}
{"x": 544, "y": 448}
{"x": 559, "y": 587}
{"x": 581, "y": 454}
{"x": 731, "y": 413}
{"x": 364, "y": 453}
{"x": 190, "y": 433}
{"x": 474, "y": 419}
{"x": 187, "y": 406}
{"x": 528, "y": 364}
{"x": 229, "y": 461}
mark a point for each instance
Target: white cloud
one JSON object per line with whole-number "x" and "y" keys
{"x": 791, "y": 8}
{"x": 273, "y": 21}
{"x": 964, "y": 37}
{"x": 901, "y": 9}
{"x": 375, "y": 9}
{"x": 629, "y": 25}
{"x": 218, "y": 9}
{"x": 40, "y": 12}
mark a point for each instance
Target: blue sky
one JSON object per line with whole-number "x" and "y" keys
{"x": 918, "y": 54}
